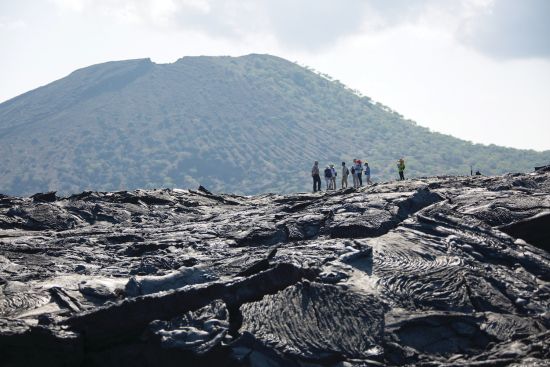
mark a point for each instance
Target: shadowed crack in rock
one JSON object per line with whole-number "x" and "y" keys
{"x": 130, "y": 317}
{"x": 535, "y": 230}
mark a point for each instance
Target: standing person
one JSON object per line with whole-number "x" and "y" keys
{"x": 333, "y": 177}
{"x": 353, "y": 175}
{"x": 328, "y": 177}
{"x": 359, "y": 173}
{"x": 366, "y": 170}
{"x": 345, "y": 174}
{"x": 316, "y": 177}
{"x": 401, "y": 169}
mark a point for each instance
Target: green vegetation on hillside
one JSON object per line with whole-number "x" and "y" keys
{"x": 245, "y": 125}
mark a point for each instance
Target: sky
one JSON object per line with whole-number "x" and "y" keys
{"x": 476, "y": 69}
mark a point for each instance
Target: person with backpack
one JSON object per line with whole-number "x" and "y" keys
{"x": 316, "y": 177}
{"x": 353, "y": 175}
{"x": 333, "y": 177}
{"x": 345, "y": 174}
{"x": 328, "y": 177}
{"x": 366, "y": 170}
{"x": 401, "y": 169}
{"x": 359, "y": 173}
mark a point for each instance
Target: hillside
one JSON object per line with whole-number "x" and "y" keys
{"x": 245, "y": 125}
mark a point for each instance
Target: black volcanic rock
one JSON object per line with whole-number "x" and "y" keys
{"x": 535, "y": 230}
{"x": 45, "y": 197}
{"x": 446, "y": 271}
{"x": 317, "y": 323}
{"x": 199, "y": 331}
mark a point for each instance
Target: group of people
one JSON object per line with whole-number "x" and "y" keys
{"x": 358, "y": 169}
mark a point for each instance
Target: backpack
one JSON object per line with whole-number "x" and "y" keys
{"x": 328, "y": 172}
{"x": 352, "y": 170}
{"x": 347, "y": 171}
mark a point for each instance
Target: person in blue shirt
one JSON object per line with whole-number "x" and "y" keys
{"x": 359, "y": 173}
{"x": 328, "y": 178}
{"x": 366, "y": 171}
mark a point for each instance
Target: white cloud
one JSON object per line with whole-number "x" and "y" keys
{"x": 201, "y": 5}
{"x": 424, "y": 74}
{"x": 510, "y": 29}
{"x": 77, "y": 6}
{"x": 12, "y": 24}
{"x": 500, "y": 28}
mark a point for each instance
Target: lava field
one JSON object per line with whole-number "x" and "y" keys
{"x": 439, "y": 271}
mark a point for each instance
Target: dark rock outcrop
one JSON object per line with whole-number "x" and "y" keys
{"x": 450, "y": 271}
{"x": 318, "y": 323}
{"x": 535, "y": 230}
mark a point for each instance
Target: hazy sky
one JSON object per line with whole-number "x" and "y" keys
{"x": 476, "y": 69}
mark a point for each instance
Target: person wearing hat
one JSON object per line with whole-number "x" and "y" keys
{"x": 401, "y": 168}
{"x": 366, "y": 171}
